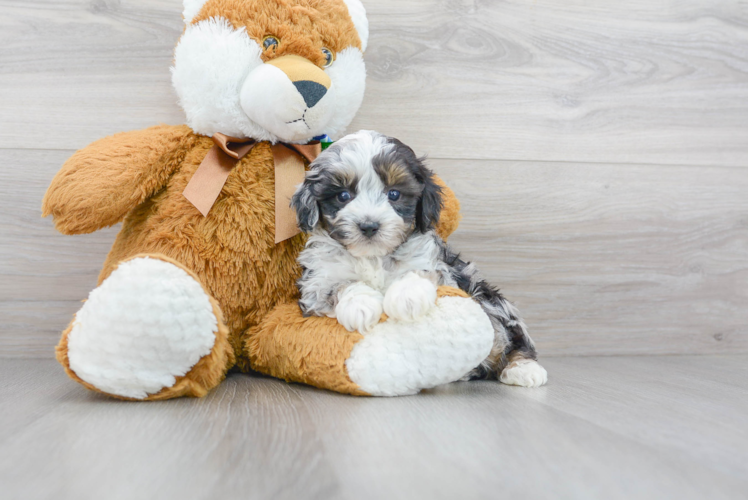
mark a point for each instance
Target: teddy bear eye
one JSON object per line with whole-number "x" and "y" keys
{"x": 270, "y": 42}
{"x": 329, "y": 57}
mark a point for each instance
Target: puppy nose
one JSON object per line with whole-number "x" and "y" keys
{"x": 311, "y": 91}
{"x": 369, "y": 228}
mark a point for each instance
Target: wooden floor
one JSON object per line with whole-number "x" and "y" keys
{"x": 604, "y": 427}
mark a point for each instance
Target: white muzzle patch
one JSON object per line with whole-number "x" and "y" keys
{"x": 224, "y": 86}
{"x": 270, "y": 99}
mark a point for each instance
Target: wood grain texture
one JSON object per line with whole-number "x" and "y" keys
{"x": 648, "y": 81}
{"x": 644, "y": 81}
{"x": 601, "y": 259}
{"x": 645, "y": 428}
{"x": 612, "y": 259}
{"x": 74, "y": 71}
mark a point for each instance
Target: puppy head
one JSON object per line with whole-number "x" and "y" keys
{"x": 369, "y": 192}
{"x": 271, "y": 70}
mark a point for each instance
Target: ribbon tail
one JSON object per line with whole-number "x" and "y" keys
{"x": 289, "y": 173}
{"x": 208, "y": 180}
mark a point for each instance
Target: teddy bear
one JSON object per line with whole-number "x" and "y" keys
{"x": 201, "y": 278}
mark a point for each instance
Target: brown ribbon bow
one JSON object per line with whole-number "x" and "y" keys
{"x": 209, "y": 178}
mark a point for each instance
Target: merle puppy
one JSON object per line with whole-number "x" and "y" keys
{"x": 371, "y": 205}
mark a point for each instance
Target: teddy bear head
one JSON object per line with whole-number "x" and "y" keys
{"x": 271, "y": 70}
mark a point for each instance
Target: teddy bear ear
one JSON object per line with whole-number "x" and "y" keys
{"x": 192, "y": 9}
{"x": 358, "y": 14}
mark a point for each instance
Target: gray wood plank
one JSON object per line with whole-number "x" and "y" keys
{"x": 641, "y": 82}
{"x": 249, "y": 439}
{"x": 493, "y": 438}
{"x": 657, "y": 427}
{"x": 643, "y": 259}
{"x": 666, "y": 403}
{"x": 74, "y": 71}
{"x": 645, "y": 81}
{"x": 601, "y": 259}
{"x": 31, "y": 328}
{"x": 29, "y": 245}
{"x": 30, "y": 389}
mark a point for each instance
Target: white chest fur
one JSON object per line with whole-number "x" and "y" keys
{"x": 371, "y": 271}
{"x": 331, "y": 266}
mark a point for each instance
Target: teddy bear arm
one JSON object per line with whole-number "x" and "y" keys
{"x": 100, "y": 183}
{"x": 450, "y": 215}
{"x": 310, "y": 350}
{"x": 318, "y": 351}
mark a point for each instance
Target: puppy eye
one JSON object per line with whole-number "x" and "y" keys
{"x": 270, "y": 42}
{"x": 393, "y": 195}
{"x": 329, "y": 57}
{"x": 344, "y": 196}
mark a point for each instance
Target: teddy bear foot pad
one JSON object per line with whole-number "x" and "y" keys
{"x": 148, "y": 323}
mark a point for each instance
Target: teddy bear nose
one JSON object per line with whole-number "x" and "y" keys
{"x": 311, "y": 91}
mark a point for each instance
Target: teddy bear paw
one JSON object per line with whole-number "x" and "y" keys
{"x": 398, "y": 358}
{"x": 146, "y": 324}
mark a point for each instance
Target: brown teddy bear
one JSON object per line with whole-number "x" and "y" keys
{"x": 201, "y": 277}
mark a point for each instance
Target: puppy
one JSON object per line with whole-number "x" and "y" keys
{"x": 371, "y": 205}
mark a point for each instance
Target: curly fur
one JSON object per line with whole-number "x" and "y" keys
{"x": 353, "y": 274}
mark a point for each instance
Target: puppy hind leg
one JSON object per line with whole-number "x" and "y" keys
{"x": 512, "y": 343}
{"x": 490, "y": 368}
{"x": 523, "y": 371}
{"x": 513, "y": 358}
{"x": 521, "y": 367}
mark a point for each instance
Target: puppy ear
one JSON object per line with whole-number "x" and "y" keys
{"x": 430, "y": 204}
{"x": 305, "y": 204}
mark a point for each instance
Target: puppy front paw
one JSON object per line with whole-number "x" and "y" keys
{"x": 359, "y": 308}
{"x": 410, "y": 298}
